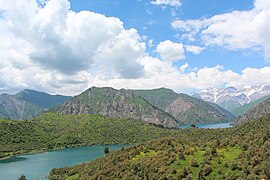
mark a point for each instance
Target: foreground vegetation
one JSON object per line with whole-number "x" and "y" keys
{"x": 54, "y": 131}
{"x": 236, "y": 153}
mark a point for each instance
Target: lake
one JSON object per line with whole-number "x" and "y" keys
{"x": 209, "y": 126}
{"x": 37, "y": 166}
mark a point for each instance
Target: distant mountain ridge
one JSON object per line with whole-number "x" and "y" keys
{"x": 40, "y": 98}
{"x": 27, "y": 104}
{"x": 231, "y": 98}
{"x": 256, "y": 112}
{"x": 185, "y": 108}
{"x": 114, "y": 103}
{"x": 243, "y": 109}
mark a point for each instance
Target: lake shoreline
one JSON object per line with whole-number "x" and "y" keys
{"x": 39, "y": 165}
{"x": 50, "y": 150}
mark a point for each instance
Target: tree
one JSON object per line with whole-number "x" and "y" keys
{"x": 22, "y": 177}
{"x": 106, "y": 150}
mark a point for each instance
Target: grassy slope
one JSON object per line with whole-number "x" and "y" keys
{"x": 160, "y": 98}
{"x": 241, "y": 152}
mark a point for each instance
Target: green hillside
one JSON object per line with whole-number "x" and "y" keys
{"x": 185, "y": 108}
{"x": 41, "y": 99}
{"x": 51, "y": 130}
{"x": 236, "y": 153}
{"x": 27, "y": 104}
{"x": 13, "y": 108}
{"x": 255, "y": 112}
{"x": 243, "y": 109}
{"x": 114, "y": 103}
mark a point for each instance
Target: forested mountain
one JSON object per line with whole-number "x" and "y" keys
{"x": 185, "y": 108}
{"x": 114, "y": 103}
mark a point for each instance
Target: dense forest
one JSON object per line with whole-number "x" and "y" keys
{"x": 52, "y": 131}
{"x": 236, "y": 153}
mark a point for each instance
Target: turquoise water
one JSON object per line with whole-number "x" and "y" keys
{"x": 210, "y": 126}
{"x": 37, "y": 166}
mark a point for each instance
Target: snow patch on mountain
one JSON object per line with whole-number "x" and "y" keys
{"x": 231, "y": 97}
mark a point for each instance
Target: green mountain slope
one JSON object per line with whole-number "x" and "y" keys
{"x": 236, "y": 153}
{"x": 243, "y": 109}
{"x": 257, "y": 111}
{"x": 13, "y": 108}
{"x": 114, "y": 103}
{"x": 52, "y": 130}
{"x": 185, "y": 108}
{"x": 27, "y": 104}
{"x": 41, "y": 99}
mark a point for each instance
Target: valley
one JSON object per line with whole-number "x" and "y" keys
{"x": 154, "y": 122}
{"x": 134, "y": 90}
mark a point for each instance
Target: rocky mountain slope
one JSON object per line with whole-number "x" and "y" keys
{"x": 231, "y": 98}
{"x": 27, "y": 104}
{"x": 257, "y": 111}
{"x": 114, "y": 103}
{"x": 185, "y": 108}
{"x": 243, "y": 109}
{"x": 13, "y": 108}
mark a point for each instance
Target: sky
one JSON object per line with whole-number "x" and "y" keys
{"x": 65, "y": 47}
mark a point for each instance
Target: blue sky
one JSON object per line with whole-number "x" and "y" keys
{"x": 186, "y": 45}
{"x": 139, "y": 14}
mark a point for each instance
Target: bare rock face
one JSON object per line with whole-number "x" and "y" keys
{"x": 117, "y": 104}
{"x": 256, "y": 112}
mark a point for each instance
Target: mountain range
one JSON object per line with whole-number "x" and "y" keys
{"x": 160, "y": 106}
{"x": 231, "y": 98}
{"x": 184, "y": 108}
{"x": 27, "y": 104}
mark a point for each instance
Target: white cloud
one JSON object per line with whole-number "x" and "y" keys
{"x": 60, "y": 51}
{"x": 235, "y": 30}
{"x": 70, "y": 42}
{"x": 176, "y": 3}
{"x": 194, "y": 49}
{"x": 170, "y": 51}
{"x": 183, "y": 67}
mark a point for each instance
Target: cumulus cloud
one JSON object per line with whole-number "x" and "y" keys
{"x": 69, "y": 42}
{"x": 170, "y": 51}
{"x": 46, "y": 46}
{"x": 235, "y": 30}
{"x": 176, "y": 3}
